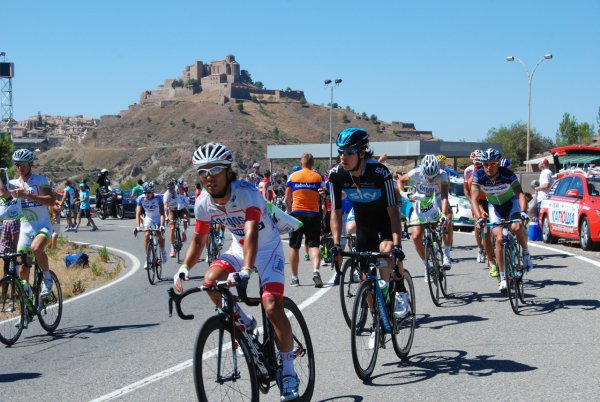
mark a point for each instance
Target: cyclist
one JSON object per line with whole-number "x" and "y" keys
{"x": 171, "y": 205}
{"x": 151, "y": 206}
{"x": 239, "y": 205}
{"x": 468, "y": 174}
{"x": 183, "y": 205}
{"x": 265, "y": 186}
{"x": 506, "y": 200}
{"x": 36, "y": 227}
{"x": 302, "y": 199}
{"x": 450, "y": 171}
{"x": 369, "y": 185}
{"x": 431, "y": 181}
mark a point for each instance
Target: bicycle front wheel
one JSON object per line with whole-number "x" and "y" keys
{"x": 221, "y": 372}
{"x": 178, "y": 244}
{"x": 150, "y": 264}
{"x": 349, "y": 283}
{"x": 511, "y": 280}
{"x": 158, "y": 266}
{"x": 364, "y": 331}
{"x": 433, "y": 274}
{"x": 49, "y": 308}
{"x": 12, "y": 311}
{"x": 403, "y": 331}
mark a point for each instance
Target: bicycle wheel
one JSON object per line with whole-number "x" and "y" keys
{"x": 403, "y": 331}
{"x": 12, "y": 312}
{"x": 433, "y": 274}
{"x": 158, "y": 266}
{"x": 150, "y": 263}
{"x": 442, "y": 273}
{"x": 178, "y": 244}
{"x": 511, "y": 280}
{"x": 349, "y": 283}
{"x": 49, "y": 308}
{"x": 304, "y": 361}
{"x": 365, "y": 334}
{"x": 211, "y": 250}
{"x": 221, "y": 372}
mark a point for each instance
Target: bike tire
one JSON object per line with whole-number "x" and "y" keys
{"x": 433, "y": 274}
{"x": 442, "y": 274}
{"x": 214, "y": 350}
{"x": 150, "y": 264}
{"x": 511, "y": 281}
{"x": 304, "y": 361}
{"x": 178, "y": 245}
{"x": 120, "y": 212}
{"x": 158, "y": 266}
{"x": 348, "y": 288}
{"x": 12, "y": 311}
{"x": 403, "y": 330}
{"x": 364, "y": 356}
{"x": 49, "y": 308}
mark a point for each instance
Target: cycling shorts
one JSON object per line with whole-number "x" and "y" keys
{"x": 178, "y": 213}
{"x": 270, "y": 264}
{"x": 373, "y": 232}
{"x": 506, "y": 211}
{"x": 311, "y": 229}
{"x": 419, "y": 217}
{"x": 31, "y": 230}
{"x": 150, "y": 222}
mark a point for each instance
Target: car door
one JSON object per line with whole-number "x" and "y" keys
{"x": 563, "y": 209}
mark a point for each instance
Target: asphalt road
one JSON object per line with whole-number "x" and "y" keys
{"x": 119, "y": 343}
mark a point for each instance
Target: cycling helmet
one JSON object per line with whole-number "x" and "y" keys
{"x": 148, "y": 187}
{"x": 23, "y": 156}
{"x": 491, "y": 155}
{"x": 171, "y": 184}
{"x": 180, "y": 182}
{"x": 430, "y": 166}
{"x": 475, "y": 154}
{"x": 352, "y": 138}
{"x": 505, "y": 162}
{"x": 104, "y": 171}
{"x": 213, "y": 152}
{"x": 256, "y": 165}
{"x": 441, "y": 158}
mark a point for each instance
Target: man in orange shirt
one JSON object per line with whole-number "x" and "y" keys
{"x": 302, "y": 199}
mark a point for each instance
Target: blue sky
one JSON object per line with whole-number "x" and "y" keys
{"x": 438, "y": 64}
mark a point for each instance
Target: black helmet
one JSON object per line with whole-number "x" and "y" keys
{"x": 352, "y": 138}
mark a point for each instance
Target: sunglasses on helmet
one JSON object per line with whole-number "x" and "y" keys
{"x": 213, "y": 171}
{"x": 347, "y": 152}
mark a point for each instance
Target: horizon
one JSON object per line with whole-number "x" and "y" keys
{"x": 440, "y": 66}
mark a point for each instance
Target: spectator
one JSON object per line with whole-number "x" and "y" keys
{"x": 137, "y": 190}
{"x": 84, "y": 207}
{"x": 546, "y": 181}
{"x": 198, "y": 190}
{"x": 10, "y": 214}
{"x": 68, "y": 205}
{"x": 265, "y": 187}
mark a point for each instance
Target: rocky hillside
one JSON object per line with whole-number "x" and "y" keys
{"x": 156, "y": 142}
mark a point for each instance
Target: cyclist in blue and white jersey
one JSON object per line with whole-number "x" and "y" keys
{"x": 239, "y": 206}
{"x": 173, "y": 209}
{"x": 432, "y": 182}
{"x": 183, "y": 204}
{"x": 370, "y": 187}
{"x": 36, "y": 227}
{"x": 506, "y": 200}
{"x": 151, "y": 205}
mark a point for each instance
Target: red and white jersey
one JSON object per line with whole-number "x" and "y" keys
{"x": 469, "y": 172}
{"x": 245, "y": 203}
{"x": 265, "y": 187}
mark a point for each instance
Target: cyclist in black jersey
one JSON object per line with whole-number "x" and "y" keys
{"x": 370, "y": 187}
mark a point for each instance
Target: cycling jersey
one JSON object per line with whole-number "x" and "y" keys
{"x": 33, "y": 211}
{"x": 499, "y": 191}
{"x": 245, "y": 203}
{"x": 183, "y": 202}
{"x": 171, "y": 200}
{"x": 152, "y": 209}
{"x": 265, "y": 186}
{"x": 469, "y": 172}
{"x": 429, "y": 209}
{"x": 305, "y": 184}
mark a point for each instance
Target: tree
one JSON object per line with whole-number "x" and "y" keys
{"x": 373, "y": 118}
{"x": 513, "y": 142}
{"x": 245, "y": 77}
{"x": 259, "y": 85}
{"x": 6, "y": 150}
{"x": 570, "y": 132}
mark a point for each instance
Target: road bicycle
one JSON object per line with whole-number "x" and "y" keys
{"x": 373, "y": 316}
{"x": 20, "y": 303}
{"x": 213, "y": 248}
{"x": 154, "y": 262}
{"x": 178, "y": 244}
{"x": 231, "y": 363}
{"x": 433, "y": 233}
{"x": 513, "y": 264}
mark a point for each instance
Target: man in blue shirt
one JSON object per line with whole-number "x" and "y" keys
{"x": 84, "y": 207}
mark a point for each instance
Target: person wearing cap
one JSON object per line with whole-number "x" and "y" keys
{"x": 84, "y": 207}
{"x": 255, "y": 177}
{"x": 546, "y": 181}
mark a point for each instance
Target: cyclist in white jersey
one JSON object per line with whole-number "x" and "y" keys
{"x": 151, "y": 206}
{"x": 183, "y": 204}
{"x": 173, "y": 204}
{"x": 36, "y": 228}
{"x": 432, "y": 182}
{"x": 256, "y": 243}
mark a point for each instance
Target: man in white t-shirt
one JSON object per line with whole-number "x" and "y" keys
{"x": 546, "y": 181}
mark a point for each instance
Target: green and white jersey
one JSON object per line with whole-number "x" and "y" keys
{"x": 33, "y": 211}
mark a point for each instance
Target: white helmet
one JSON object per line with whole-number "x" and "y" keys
{"x": 23, "y": 156}
{"x": 213, "y": 152}
{"x": 430, "y": 166}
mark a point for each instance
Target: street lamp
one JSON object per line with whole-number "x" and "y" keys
{"x": 336, "y": 83}
{"x": 529, "y": 80}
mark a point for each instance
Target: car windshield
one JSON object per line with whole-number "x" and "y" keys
{"x": 456, "y": 189}
{"x": 594, "y": 186}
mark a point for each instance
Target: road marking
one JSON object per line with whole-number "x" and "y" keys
{"x": 188, "y": 363}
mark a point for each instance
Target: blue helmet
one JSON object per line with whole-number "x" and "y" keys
{"x": 505, "y": 162}
{"x": 148, "y": 187}
{"x": 352, "y": 138}
{"x": 491, "y": 155}
{"x": 295, "y": 168}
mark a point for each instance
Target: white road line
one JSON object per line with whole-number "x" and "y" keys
{"x": 188, "y": 363}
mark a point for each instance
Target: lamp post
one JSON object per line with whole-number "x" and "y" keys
{"x": 336, "y": 83}
{"x": 529, "y": 80}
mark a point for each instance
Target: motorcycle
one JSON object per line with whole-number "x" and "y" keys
{"x": 111, "y": 204}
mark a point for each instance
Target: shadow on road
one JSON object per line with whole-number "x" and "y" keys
{"x": 13, "y": 377}
{"x": 437, "y": 322}
{"x": 349, "y": 398}
{"x": 540, "y": 306}
{"x": 427, "y": 365}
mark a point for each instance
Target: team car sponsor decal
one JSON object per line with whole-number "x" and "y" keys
{"x": 563, "y": 213}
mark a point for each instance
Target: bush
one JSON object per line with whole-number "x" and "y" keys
{"x": 103, "y": 254}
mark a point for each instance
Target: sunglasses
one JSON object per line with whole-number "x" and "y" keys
{"x": 148, "y": 192}
{"x": 488, "y": 165}
{"x": 348, "y": 152}
{"x": 213, "y": 171}
{"x": 21, "y": 164}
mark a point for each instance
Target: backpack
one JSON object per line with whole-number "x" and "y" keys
{"x": 80, "y": 259}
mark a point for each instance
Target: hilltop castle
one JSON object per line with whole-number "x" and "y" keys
{"x": 222, "y": 77}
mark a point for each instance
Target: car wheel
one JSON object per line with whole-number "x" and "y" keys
{"x": 546, "y": 235}
{"x": 584, "y": 235}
